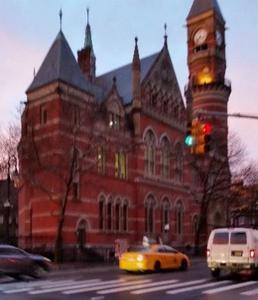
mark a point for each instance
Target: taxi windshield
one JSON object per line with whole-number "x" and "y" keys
{"x": 138, "y": 249}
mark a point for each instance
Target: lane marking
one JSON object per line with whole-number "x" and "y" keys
{"x": 192, "y": 288}
{"x": 127, "y": 288}
{"x": 250, "y": 293}
{"x": 105, "y": 286}
{"x": 229, "y": 287}
{"x": 75, "y": 286}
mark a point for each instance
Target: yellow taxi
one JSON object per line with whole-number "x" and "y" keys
{"x": 153, "y": 258}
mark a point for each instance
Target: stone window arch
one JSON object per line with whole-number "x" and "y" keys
{"x": 165, "y": 157}
{"x": 109, "y": 214}
{"x": 149, "y": 153}
{"x": 179, "y": 218}
{"x": 150, "y": 204}
{"x": 165, "y": 214}
{"x": 179, "y": 162}
{"x": 117, "y": 215}
{"x": 81, "y": 233}
{"x": 102, "y": 213}
{"x": 195, "y": 222}
{"x": 125, "y": 215}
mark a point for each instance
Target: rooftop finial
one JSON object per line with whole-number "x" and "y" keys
{"x": 60, "y": 17}
{"x": 88, "y": 18}
{"x": 34, "y": 72}
{"x": 165, "y": 36}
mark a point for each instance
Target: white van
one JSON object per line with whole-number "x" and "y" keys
{"x": 233, "y": 250}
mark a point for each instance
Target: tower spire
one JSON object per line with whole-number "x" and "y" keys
{"x": 136, "y": 57}
{"x": 86, "y": 56}
{"x": 88, "y": 40}
{"x": 165, "y": 35}
{"x": 60, "y": 18}
{"x": 88, "y": 16}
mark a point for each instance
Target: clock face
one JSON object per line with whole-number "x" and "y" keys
{"x": 218, "y": 38}
{"x": 200, "y": 36}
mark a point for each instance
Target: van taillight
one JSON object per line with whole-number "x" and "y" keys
{"x": 208, "y": 252}
{"x": 252, "y": 253}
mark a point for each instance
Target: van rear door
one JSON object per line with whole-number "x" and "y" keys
{"x": 219, "y": 247}
{"x": 239, "y": 246}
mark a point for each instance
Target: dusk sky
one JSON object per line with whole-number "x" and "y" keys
{"x": 28, "y": 28}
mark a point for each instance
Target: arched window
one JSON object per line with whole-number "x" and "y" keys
{"x": 150, "y": 215}
{"x": 179, "y": 218}
{"x": 125, "y": 216}
{"x": 109, "y": 215}
{"x": 120, "y": 165}
{"x": 81, "y": 234}
{"x": 101, "y": 159}
{"x": 102, "y": 213}
{"x": 195, "y": 224}
{"x": 179, "y": 162}
{"x": 165, "y": 220}
{"x": 149, "y": 153}
{"x": 117, "y": 215}
{"x": 165, "y": 158}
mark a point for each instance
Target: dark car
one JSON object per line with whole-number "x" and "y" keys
{"x": 15, "y": 262}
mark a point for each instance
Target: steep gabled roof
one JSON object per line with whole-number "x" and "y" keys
{"x": 60, "y": 64}
{"x": 124, "y": 77}
{"x": 201, "y": 6}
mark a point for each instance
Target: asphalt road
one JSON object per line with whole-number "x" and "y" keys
{"x": 107, "y": 282}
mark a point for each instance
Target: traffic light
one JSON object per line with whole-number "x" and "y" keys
{"x": 189, "y": 138}
{"x": 203, "y": 138}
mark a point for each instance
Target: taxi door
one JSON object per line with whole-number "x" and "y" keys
{"x": 172, "y": 258}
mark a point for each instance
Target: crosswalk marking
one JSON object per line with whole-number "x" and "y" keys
{"x": 160, "y": 288}
{"x": 50, "y": 285}
{"x": 132, "y": 285}
{"x": 250, "y": 293}
{"x": 104, "y": 286}
{"x": 127, "y": 288}
{"x": 21, "y": 284}
{"x": 229, "y": 287}
{"x": 197, "y": 287}
{"x": 87, "y": 284}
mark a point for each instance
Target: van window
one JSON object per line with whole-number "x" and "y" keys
{"x": 238, "y": 238}
{"x": 220, "y": 238}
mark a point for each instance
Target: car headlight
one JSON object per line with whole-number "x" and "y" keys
{"x": 140, "y": 258}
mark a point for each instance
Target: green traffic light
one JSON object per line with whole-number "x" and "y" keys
{"x": 189, "y": 140}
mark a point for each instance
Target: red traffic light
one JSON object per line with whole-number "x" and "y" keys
{"x": 207, "y": 128}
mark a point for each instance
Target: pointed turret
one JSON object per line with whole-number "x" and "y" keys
{"x": 86, "y": 56}
{"x": 59, "y": 64}
{"x": 202, "y": 6}
{"x": 136, "y": 74}
{"x": 136, "y": 88}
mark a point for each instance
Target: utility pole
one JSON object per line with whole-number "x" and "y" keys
{"x": 221, "y": 114}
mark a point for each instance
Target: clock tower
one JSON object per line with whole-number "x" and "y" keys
{"x": 207, "y": 89}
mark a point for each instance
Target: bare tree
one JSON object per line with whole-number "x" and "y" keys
{"x": 63, "y": 167}
{"x": 9, "y": 140}
{"x": 213, "y": 176}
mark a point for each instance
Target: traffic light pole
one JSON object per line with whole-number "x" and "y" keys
{"x": 221, "y": 114}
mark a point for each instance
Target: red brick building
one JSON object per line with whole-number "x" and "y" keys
{"x": 108, "y": 151}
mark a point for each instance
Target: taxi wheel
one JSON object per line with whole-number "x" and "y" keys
{"x": 184, "y": 265}
{"x": 157, "y": 266}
